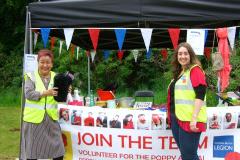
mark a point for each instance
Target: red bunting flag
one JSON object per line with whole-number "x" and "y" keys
{"x": 207, "y": 52}
{"x": 52, "y": 42}
{"x": 72, "y": 49}
{"x": 94, "y": 34}
{"x": 174, "y": 35}
{"x": 164, "y": 54}
{"x": 87, "y": 53}
{"x": 120, "y": 54}
{"x": 35, "y": 30}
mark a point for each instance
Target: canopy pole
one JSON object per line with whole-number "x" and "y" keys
{"x": 89, "y": 88}
{"x": 26, "y": 51}
{"x": 30, "y": 34}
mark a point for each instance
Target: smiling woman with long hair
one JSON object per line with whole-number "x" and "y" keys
{"x": 186, "y": 101}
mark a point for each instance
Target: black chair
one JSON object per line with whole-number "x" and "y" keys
{"x": 144, "y": 93}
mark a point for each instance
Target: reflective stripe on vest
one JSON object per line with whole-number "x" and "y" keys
{"x": 185, "y": 98}
{"x": 34, "y": 110}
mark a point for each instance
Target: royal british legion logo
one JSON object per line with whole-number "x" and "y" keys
{"x": 222, "y": 145}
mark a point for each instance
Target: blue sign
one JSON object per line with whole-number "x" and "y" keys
{"x": 222, "y": 145}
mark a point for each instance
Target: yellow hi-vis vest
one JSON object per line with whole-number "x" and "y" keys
{"x": 185, "y": 97}
{"x": 34, "y": 110}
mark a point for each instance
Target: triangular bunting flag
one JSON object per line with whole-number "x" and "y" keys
{"x": 164, "y": 54}
{"x": 72, "y": 50}
{"x": 87, "y": 53}
{"x": 231, "y": 36}
{"x": 60, "y": 47}
{"x": 68, "y": 33}
{"x": 207, "y": 52}
{"x": 52, "y": 42}
{"x": 106, "y": 54}
{"x": 77, "y": 52}
{"x": 205, "y": 38}
{"x": 148, "y": 54}
{"x": 45, "y": 33}
{"x": 93, "y": 53}
{"x": 35, "y": 39}
{"x": 120, "y": 34}
{"x": 147, "y": 34}
{"x": 135, "y": 54}
{"x": 174, "y": 35}
{"x": 120, "y": 54}
{"x": 82, "y": 51}
{"x": 94, "y": 34}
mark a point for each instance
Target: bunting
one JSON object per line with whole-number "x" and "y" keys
{"x": 120, "y": 54}
{"x": 148, "y": 54}
{"x": 77, "y": 52}
{"x": 45, "y": 33}
{"x": 35, "y": 39}
{"x": 68, "y": 33}
{"x": 60, "y": 47}
{"x": 52, "y": 42}
{"x": 164, "y": 54}
{"x": 94, "y": 34}
{"x": 205, "y": 36}
{"x": 106, "y": 54}
{"x": 93, "y": 53}
{"x": 135, "y": 54}
{"x": 147, "y": 34}
{"x": 207, "y": 52}
{"x": 87, "y": 53}
{"x": 174, "y": 35}
{"x": 72, "y": 50}
{"x": 120, "y": 35}
{"x": 231, "y": 36}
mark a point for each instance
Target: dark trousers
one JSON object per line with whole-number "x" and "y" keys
{"x": 186, "y": 142}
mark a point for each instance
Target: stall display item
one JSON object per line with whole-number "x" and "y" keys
{"x": 62, "y": 81}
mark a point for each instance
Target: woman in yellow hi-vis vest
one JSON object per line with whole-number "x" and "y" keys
{"x": 187, "y": 102}
{"x": 41, "y": 133}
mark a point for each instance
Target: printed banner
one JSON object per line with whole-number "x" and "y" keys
{"x": 102, "y": 133}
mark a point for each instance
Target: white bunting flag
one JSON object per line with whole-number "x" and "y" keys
{"x": 93, "y": 53}
{"x": 60, "y": 47}
{"x": 77, "y": 52}
{"x": 231, "y": 36}
{"x": 135, "y": 54}
{"x": 147, "y": 34}
{"x": 68, "y": 32}
{"x": 35, "y": 39}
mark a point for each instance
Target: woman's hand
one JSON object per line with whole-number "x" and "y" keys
{"x": 70, "y": 89}
{"x": 193, "y": 126}
{"x": 50, "y": 92}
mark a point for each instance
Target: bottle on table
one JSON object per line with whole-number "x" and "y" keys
{"x": 92, "y": 102}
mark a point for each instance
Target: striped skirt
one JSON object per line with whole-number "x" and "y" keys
{"x": 41, "y": 141}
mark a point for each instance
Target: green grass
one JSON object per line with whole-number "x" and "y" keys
{"x": 9, "y": 132}
{"x": 10, "y": 97}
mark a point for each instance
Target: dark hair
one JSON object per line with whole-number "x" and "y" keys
{"x": 45, "y": 52}
{"x": 125, "y": 120}
{"x": 177, "y": 68}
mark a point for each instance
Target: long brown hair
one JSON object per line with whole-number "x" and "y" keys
{"x": 177, "y": 68}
